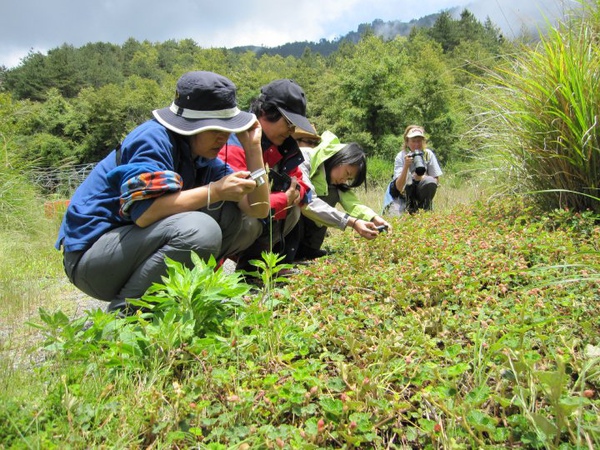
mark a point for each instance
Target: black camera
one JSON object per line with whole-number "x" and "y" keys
{"x": 381, "y": 228}
{"x": 418, "y": 162}
{"x": 280, "y": 181}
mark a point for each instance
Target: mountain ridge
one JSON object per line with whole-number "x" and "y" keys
{"x": 385, "y": 29}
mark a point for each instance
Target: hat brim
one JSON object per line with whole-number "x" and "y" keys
{"x": 298, "y": 120}
{"x": 415, "y": 134}
{"x": 301, "y": 134}
{"x": 188, "y": 127}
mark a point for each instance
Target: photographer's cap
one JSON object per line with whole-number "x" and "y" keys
{"x": 204, "y": 101}
{"x": 415, "y": 132}
{"x": 290, "y": 100}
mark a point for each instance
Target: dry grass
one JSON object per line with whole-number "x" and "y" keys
{"x": 451, "y": 193}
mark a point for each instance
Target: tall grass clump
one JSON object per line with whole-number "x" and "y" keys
{"x": 19, "y": 201}
{"x": 538, "y": 116}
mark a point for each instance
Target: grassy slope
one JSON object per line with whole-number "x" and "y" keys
{"x": 450, "y": 329}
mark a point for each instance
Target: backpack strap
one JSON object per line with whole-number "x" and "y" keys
{"x": 427, "y": 155}
{"x": 118, "y": 154}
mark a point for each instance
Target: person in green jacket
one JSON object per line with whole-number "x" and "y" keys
{"x": 332, "y": 169}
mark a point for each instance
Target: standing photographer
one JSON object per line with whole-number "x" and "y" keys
{"x": 416, "y": 175}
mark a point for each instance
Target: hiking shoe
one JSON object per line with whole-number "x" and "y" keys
{"x": 311, "y": 253}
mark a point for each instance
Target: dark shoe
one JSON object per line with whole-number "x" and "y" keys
{"x": 311, "y": 253}
{"x": 124, "y": 309}
{"x": 248, "y": 273}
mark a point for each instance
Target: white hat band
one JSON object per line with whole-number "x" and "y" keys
{"x": 193, "y": 114}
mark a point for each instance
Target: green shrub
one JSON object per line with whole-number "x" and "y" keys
{"x": 380, "y": 172}
{"x": 389, "y": 146}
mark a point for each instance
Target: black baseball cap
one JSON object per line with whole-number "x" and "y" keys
{"x": 290, "y": 100}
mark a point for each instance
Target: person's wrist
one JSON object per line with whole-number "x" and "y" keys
{"x": 254, "y": 149}
{"x": 213, "y": 196}
{"x": 350, "y": 221}
{"x": 291, "y": 198}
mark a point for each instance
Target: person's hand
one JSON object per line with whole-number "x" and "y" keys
{"x": 293, "y": 193}
{"x": 232, "y": 187}
{"x": 365, "y": 229}
{"x": 408, "y": 160}
{"x": 378, "y": 221}
{"x": 250, "y": 138}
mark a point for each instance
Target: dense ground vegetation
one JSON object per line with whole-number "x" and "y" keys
{"x": 76, "y": 104}
{"x": 473, "y": 326}
{"x": 466, "y": 329}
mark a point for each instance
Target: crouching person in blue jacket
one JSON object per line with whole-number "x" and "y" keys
{"x": 164, "y": 193}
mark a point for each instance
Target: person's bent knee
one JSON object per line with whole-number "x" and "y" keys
{"x": 427, "y": 188}
{"x": 251, "y": 229}
{"x": 195, "y": 231}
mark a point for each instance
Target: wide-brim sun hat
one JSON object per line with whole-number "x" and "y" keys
{"x": 290, "y": 100}
{"x": 204, "y": 101}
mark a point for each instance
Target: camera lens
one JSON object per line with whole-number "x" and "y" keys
{"x": 419, "y": 164}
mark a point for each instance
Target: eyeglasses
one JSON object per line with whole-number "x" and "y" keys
{"x": 289, "y": 124}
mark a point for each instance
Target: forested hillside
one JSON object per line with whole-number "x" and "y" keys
{"x": 76, "y": 104}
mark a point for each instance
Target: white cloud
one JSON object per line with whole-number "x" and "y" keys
{"x": 31, "y": 24}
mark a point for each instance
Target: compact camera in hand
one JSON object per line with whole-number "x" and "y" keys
{"x": 418, "y": 162}
{"x": 257, "y": 176}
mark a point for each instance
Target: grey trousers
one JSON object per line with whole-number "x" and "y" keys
{"x": 127, "y": 260}
{"x": 254, "y": 230}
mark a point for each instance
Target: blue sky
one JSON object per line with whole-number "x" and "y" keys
{"x": 42, "y": 25}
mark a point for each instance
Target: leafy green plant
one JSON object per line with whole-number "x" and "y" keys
{"x": 203, "y": 295}
{"x": 268, "y": 272}
{"x": 188, "y": 310}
